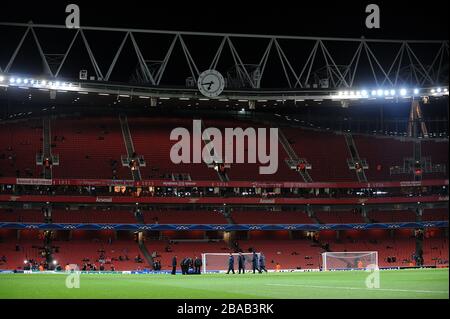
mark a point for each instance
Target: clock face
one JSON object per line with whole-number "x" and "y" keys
{"x": 211, "y": 83}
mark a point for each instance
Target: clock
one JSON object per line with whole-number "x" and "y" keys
{"x": 211, "y": 83}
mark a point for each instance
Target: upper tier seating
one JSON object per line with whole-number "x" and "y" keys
{"x": 381, "y": 154}
{"x": 91, "y": 147}
{"x": 438, "y": 152}
{"x": 250, "y": 171}
{"x": 326, "y": 152}
{"x": 19, "y": 144}
{"x": 87, "y": 147}
{"x": 151, "y": 138}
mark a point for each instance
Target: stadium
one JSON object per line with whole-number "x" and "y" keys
{"x": 143, "y": 163}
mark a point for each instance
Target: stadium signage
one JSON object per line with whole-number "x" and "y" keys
{"x": 33, "y": 181}
{"x": 228, "y": 227}
{"x": 200, "y": 183}
{"x": 218, "y": 200}
{"x": 410, "y": 183}
{"x": 267, "y": 201}
{"x": 215, "y": 152}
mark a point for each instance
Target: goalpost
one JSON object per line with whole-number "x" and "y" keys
{"x": 350, "y": 260}
{"x": 219, "y": 261}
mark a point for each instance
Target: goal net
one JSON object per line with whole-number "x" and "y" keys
{"x": 219, "y": 261}
{"x": 349, "y": 260}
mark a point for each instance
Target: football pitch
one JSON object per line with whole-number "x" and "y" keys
{"x": 417, "y": 283}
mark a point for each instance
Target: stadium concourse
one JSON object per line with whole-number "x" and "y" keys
{"x": 103, "y": 193}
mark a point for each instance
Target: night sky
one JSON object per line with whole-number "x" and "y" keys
{"x": 399, "y": 19}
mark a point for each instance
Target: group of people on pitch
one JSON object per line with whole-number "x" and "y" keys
{"x": 188, "y": 265}
{"x": 258, "y": 264}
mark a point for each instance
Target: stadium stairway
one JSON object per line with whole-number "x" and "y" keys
{"x": 312, "y": 214}
{"x": 222, "y": 175}
{"x": 47, "y": 153}
{"x": 366, "y": 218}
{"x": 352, "y": 149}
{"x": 128, "y": 141}
{"x": 148, "y": 257}
{"x": 229, "y": 218}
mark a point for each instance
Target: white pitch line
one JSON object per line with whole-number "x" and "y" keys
{"x": 359, "y": 288}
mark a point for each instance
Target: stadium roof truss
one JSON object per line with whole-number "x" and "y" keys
{"x": 300, "y": 66}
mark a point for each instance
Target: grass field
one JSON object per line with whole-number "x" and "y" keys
{"x": 426, "y": 283}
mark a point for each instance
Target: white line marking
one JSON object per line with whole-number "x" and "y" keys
{"x": 360, "y": 288}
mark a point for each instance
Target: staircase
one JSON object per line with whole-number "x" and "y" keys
{"x": 223, "y": 177}
{"x": 229, "y": 219}
{"x": 293, "y": 157}
{"x": 148, "y": 257}
{"x": 366, "y": 218}
{"x": 140, "y": 218}
{"x": 419, "y": 213}
{"x": 417, "y": 153}
{"x": 47, "y": 153}
{"x": 136, "y": 173}
{"x": 351, "y": 146}
{"x": 312, "y": 215}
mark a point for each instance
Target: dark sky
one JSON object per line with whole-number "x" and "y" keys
{"x": 399, "y": 19}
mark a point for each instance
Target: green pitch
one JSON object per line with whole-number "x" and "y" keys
{"x": 426, "y": 283}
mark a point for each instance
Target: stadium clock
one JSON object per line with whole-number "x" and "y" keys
{"x": 211, "y": 83}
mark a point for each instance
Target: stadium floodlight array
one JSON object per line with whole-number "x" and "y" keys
{"x": 351, "y": 260}
{"x": 390, "y": 93}
{"x": 343, "y": 95}
{"x": 29, "y": 82}
{"x": 218, "y": 262}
